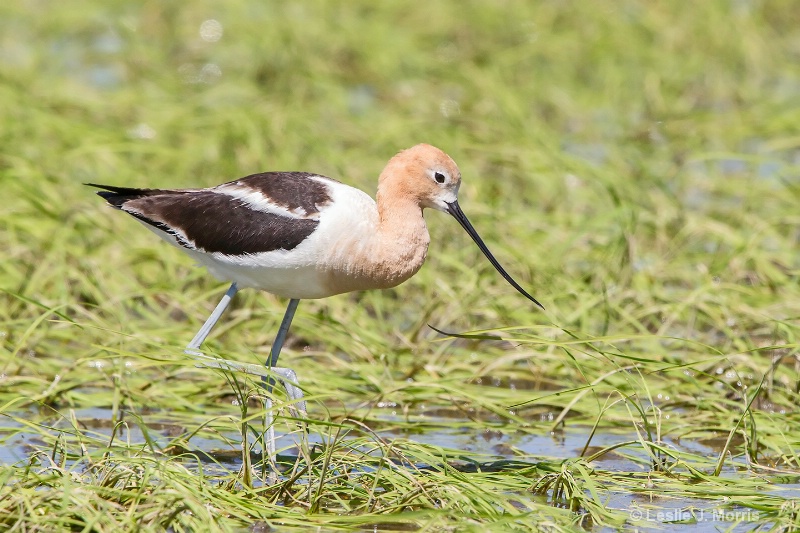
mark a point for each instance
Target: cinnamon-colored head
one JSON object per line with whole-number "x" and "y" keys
{"x": 428, "y": 177}
{"x": 424, "y": 174}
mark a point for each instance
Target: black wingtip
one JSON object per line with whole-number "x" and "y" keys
{"x": 117, "y": 196}
{"x": 123, "y": 191}
{"x": 114, "y": 199}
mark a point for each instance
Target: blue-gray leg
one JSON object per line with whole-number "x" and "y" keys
{"x": 286, "y": 375}
{"x": 191, "y": 349}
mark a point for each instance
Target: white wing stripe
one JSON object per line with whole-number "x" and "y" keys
{"x": 258, "y": 202}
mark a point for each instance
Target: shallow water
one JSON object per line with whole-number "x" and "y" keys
{"x": 483, "y": 443}
{"x": 25, "y": 435}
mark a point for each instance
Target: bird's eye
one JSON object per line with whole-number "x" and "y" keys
{"x": 439, "y": 177}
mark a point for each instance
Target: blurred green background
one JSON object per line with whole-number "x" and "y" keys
{"x": 627, "y": 147}
{"x": 634, "y": 164}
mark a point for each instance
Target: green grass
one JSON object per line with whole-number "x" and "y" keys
{"x": 636, "y": 165}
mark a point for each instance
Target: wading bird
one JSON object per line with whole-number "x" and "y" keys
{"x": 301, "y": 235}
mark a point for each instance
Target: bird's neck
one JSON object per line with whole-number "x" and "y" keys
{"x": 382, "y": 254}
{"x": 402, "y": 236}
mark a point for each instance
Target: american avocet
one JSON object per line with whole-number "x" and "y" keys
{"x": 302, "y": 235}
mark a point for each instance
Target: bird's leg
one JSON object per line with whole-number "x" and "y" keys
{"x": 275, "y": 351}
{"x": 287, "y": 375}
{"x": 192, "y": 348}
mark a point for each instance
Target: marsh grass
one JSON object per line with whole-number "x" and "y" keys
{"x": 635, "y": 165}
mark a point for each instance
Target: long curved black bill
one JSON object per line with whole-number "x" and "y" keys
{"x": 455, "y": 210}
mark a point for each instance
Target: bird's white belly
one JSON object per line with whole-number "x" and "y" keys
{"x": 282, "y": 278}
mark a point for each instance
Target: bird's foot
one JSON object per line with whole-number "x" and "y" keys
{"x": 290, "y": 382}
{"x": 286, "y": 376}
